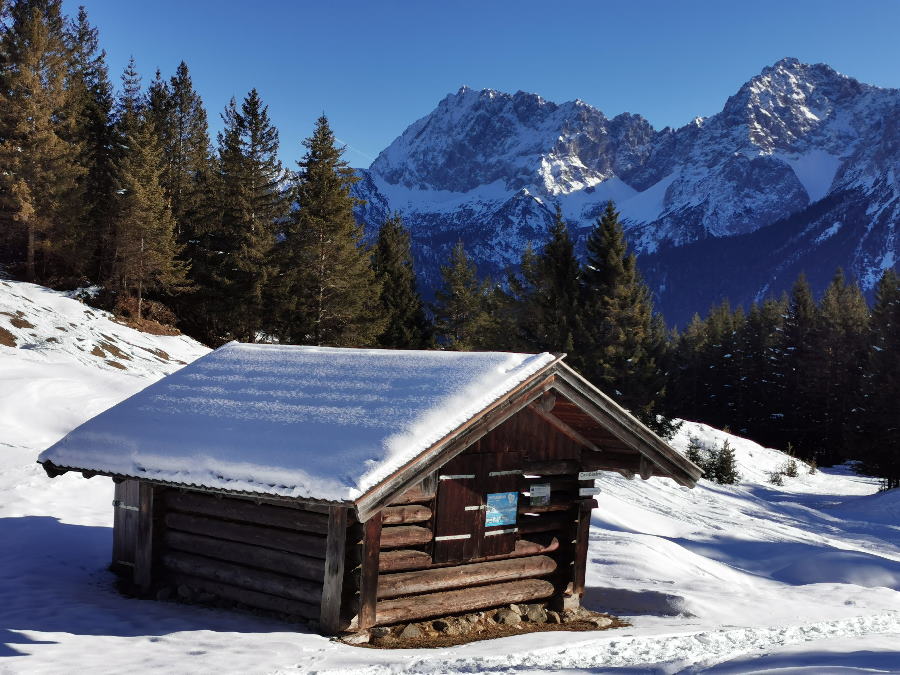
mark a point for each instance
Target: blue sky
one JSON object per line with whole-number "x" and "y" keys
{"x": 376, "y": 66}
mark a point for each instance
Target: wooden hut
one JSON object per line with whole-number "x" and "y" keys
{"x": 359, "y": 488}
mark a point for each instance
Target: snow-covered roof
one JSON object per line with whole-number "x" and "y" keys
{"x": 314, "y": 422}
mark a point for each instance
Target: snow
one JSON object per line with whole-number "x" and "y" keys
{"x": 815, "y": 169}
{"x": 315, "y": 422}
{"x": 829, "y": 232}
{"x": 713, "y": 579}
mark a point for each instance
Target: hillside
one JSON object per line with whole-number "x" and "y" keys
{"x": 488, "y": 168}
{"x": 740, "y": 579}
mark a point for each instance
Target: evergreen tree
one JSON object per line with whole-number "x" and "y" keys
{"x": 145, "y": 248}
{"x": 401, "y": 305}
{"x": 547, "y": 294}
{"x": 877, "y": 420}
{"x": 246, "y": 203}
{"x": 91, "y": 109}
{"x": 620, "y": 344}
{"x": 759, "y": 378}
{"x": 328, "y": 294}
{"x": 844, "y": 319}
{"x": 461, "y": 315}
{"x": 38, "y": 151}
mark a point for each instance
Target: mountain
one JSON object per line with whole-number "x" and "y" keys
{"x": 801, "y": 159}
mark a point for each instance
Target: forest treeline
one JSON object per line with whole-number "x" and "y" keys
{"x": 123, "y": 188}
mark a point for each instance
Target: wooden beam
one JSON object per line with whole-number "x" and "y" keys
{"x": 257, "y": 535}
{"x": 271, "y": 603}
{"x": 401, "y": 515}
{"x": 463, "y": 576}
{"x": 403, "y": 559}
{"x": 405, "y": 535}
{"x": 240, "y": 509}
{"x": 563, "y": 428}
{"x": 333, "y": 585}
{"x": 232, "y": 551}
{"x": 582, "y": 539}
{"x": 143, "y": 545}
{"x": 368, "y": 580}
{"x": 244, "y": 577}
{"x": 465, "y": 600}
{"x": 546, "y": 402}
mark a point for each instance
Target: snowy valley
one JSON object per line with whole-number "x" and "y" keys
{"x": 753, "y": 577}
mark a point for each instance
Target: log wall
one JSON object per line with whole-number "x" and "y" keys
{"x": 264, "y": 556}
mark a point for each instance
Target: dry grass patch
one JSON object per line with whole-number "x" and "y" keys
{"x": 7, "y": 339}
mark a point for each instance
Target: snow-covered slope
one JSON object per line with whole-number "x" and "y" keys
{"x": 489, "y": 167}
{"x": 727, "y": 578}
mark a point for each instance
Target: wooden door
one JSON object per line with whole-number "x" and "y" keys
{"x": 501, "y": 475}
{"x": 465, "y": 486}
{"x": 126, "y": 510}
{"x": 458, "y": 509}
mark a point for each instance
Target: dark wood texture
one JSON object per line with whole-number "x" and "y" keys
{"x": 464, "y": 600}
{"x": 144, "y": 536}
{"x": 335, "y": 557}
{"x": 125, "y": 517}
{"x": 244, "y": 577}
{"x": 400, "y": 515}
{"x": 451, "y": 519}
{"x": 368, "y": 582}
{"x": 582, "y": 540}
{"x": 461, "y": 576}
{"x": 422, "y": 491}
{"x": 545, "y": 522}
{"x": 296, "y": 542}
{"x": 563, "y": 428}
{"x": 291, "y": 564}
{"x": 414, "y": 560}
{"x": 397, "y": 536}
{"x": 271, "y": 603}
{"x": 247, "y": 511}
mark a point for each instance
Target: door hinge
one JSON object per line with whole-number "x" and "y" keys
{"x": 448, "y": 537}
{"x": 119, "y": 504}
{"x": 511, "y": 472}
{"x": 456, "y": 476}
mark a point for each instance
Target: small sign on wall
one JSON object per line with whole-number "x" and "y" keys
{"x": 501, "y": 508}
{"x": 539, "y": 494}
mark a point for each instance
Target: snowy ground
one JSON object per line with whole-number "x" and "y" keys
{"x": 753, "y": 578}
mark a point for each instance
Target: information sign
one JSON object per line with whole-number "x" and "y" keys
{"x": 501, "y": 508}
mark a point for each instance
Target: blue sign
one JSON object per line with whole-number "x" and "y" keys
{"x": 501, "y": 509}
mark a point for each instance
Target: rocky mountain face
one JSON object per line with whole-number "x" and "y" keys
{"x": 798, "y": 172}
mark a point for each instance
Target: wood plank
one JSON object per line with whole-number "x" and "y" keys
{"x": 335, "y": 556}
{"x": 563, "y": 428}
{"x": 246, "y": 511}
{"x": 399, "y": 515}
{"x": 546, "y": 522}
{"x": 296, "y": 542}
{"x": 393, "y": 561}
{"x": 582, "y": 538}
{"x": 559, "y": 467}
{"x": 397, "y": 536}
{"x": 368, "y": 581}
{"x": 465, "y": 600}
{"x": 421, "y": 492}
{"x": 244, "y": 577}
{"x": 291, "y": 564}
{"x": 244, "y": 596}
{"x": 143, "y": 544}
{"x": 461, "y": 576}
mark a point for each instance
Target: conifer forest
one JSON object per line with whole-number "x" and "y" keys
{"x": 113, "y": 182}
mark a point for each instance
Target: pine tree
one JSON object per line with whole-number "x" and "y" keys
{"x": 546, "y": 293}
{"x": 461, "y": 316}
{"x": 92, "y": 111}
{"x": 798, "y": 363}
{"x": 38, "y": 151}
{"x": 401, "y": 305}
{"x": 328, "y": 294}
{"x": 876, "y": 428}
{"x": 844, "y": 319}
{"x": 620, "y": 344}
{"x": 246, "y": 203}
{"x": 145, "y": 248}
